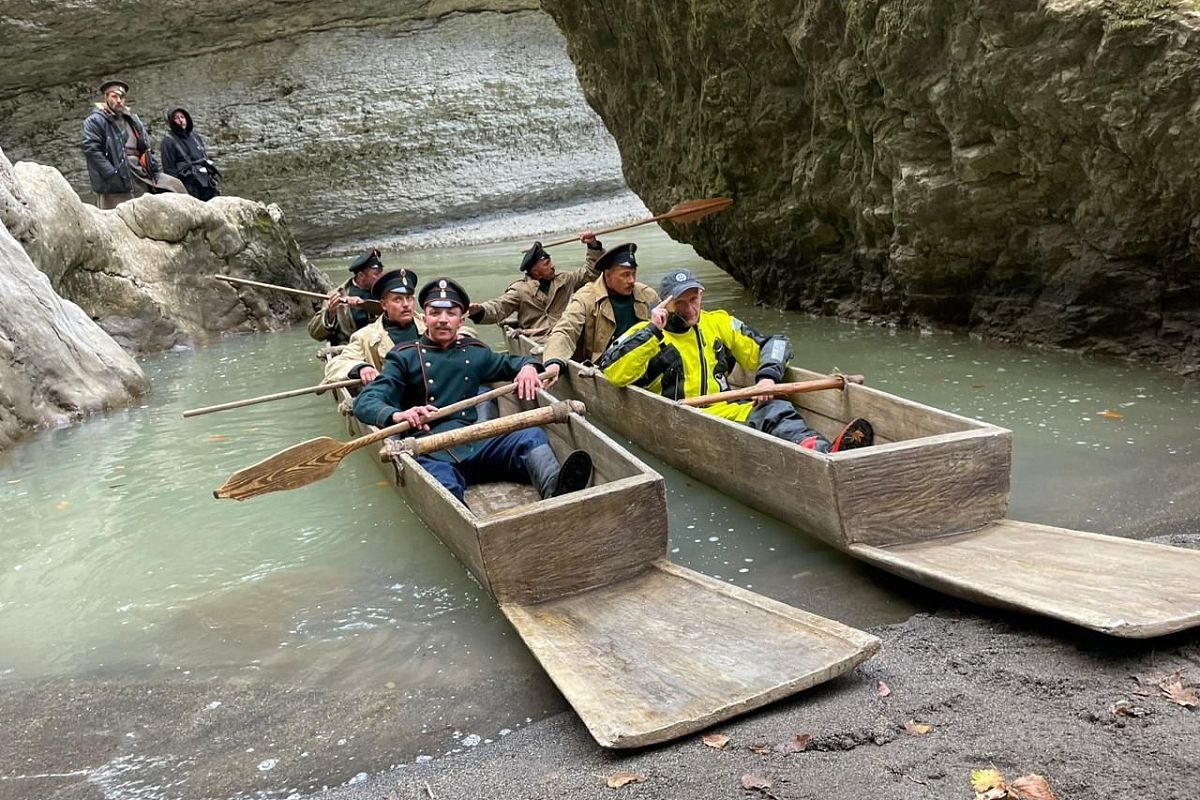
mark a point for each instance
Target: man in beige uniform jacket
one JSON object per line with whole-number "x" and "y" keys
{"x": 539, "y": 298}
{"x": 599, "y": 312}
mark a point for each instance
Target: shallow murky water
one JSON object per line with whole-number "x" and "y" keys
{"x": 304, "y": 637}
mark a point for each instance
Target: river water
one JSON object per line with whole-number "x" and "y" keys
{"x": 171, "y": 645}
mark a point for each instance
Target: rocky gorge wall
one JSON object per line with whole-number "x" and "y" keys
{"x": 365, "y": 121}
{"x": 1023, "y": 169}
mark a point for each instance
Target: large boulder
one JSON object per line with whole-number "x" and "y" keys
{"x": 1024, "y": 169}
{"x": 144, "y": 271}
{"x": 55, "y": 362}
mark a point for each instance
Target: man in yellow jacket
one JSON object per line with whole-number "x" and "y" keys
{"x": 689, "y": 352}
{"x": 599, "y": 312}
{"x": 541, "y": 296}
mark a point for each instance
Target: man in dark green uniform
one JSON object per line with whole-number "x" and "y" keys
{"x": 345, "y": 311}
{"x": 441, "y": 368}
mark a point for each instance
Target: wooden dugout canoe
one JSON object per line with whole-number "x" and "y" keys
{"x": 928, "y": 503}
{"x": 643, "y": 649}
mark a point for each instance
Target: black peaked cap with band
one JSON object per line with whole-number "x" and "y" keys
{"x": 532, "y": 256}
{"x": 122, "y": 85}
{"x": 619, "y": 256}
{"x": 443, "y": 293}
{"x": 366, "y": 261}
{"x": 400, "y": 281}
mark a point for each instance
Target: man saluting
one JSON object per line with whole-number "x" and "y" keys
{"x": 441, "y": 368}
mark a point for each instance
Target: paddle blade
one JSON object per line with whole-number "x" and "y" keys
{"x": 693, "y": 210}
{"x": 299, "y": 465}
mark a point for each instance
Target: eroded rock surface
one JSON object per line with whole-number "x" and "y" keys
{"x": 55, "y": 362}
{"x": 1023, "y": 169}
{"x": 144, "y": 271}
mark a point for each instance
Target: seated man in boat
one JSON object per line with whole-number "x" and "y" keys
{"x": 344, "y": 313}
{"x": 685, "y": 351}
{"x": 399, "y": 323}
{"x": 441, "y": 368}
{"x": 539, "y": 298}
{"x": 599, "y": 312}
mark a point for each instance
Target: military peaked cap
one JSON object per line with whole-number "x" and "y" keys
{"x": 619, "y": 256}
{"x": 443, "y": 293}
{"x": 400, "y": 281}
{"x": 366, "y": 261}
{"x": 122, "y": 85}
{"x": 532, "y": 256}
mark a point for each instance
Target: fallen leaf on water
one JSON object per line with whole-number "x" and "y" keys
{"x": 797, "y": 744}
{"x": 1032, "y": 787}
{"x": 715, "y": 740}
{"x": 383, "y": 483}
{"x": 978, "y": 385}
{"x": 18, "y": 480}
{"x": 217, "y": 437}
{"x": 622, "y": 778}
{"x": 1177, "y": 693}
{"x": 760, "y": 749}
{"x": 1111, "y": 415}
{"x": 758, "y": 783}
{"x": 917, "y": 728}
{"x": 62, "y": 505}
{"x": 1123, "y": 708}
{"x": 882, "y": 689}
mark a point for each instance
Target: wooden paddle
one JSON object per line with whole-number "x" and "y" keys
{"x": 834, "y": 382}
{"x": 370, "y": 306}
{"x": 680, "y": 214}
{"x": 266, "y": 398}
{"x": 423, "y": 445}
{"x": 316, "y": 459}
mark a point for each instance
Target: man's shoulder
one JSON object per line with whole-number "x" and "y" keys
{"x": 590, "y": 292}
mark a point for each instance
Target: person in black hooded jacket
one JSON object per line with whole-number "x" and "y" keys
{"x": 184, "y": 156}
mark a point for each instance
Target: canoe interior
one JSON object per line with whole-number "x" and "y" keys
{"x": 644, "y": 650}
{"x": 1117, "y": 586}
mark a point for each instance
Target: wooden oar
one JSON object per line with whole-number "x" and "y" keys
{"x": 556, "y": 412}
{"x": 266, "y": 398}
{"x": 316, "y": 459}
{"x": 680, "y": 214}
{"x": 835, "y": 382}
{"x": 370, "y": 306}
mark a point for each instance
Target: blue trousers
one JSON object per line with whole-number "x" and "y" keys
{"x": 501, "y": 458}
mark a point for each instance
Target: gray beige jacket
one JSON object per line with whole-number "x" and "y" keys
{"x": 588, "y": 324}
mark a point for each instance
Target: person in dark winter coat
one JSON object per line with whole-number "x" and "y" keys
{"x": 115, "y": 144}
{"x": 184, "y": 156}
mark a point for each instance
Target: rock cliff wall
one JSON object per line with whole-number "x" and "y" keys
{"x": 55, "y": 362}
{"x": 363, "y": 120}
{"x": 1024, "y": 169}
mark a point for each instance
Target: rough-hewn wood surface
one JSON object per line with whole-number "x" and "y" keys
{"x": 670, "y": 651}
{"x": 1118, "y": 586}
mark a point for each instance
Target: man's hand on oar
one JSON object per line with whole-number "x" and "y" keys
{"x": 760, "y": 389}
{"x": 417, "y": 417}
{"x": 765, "y": 384}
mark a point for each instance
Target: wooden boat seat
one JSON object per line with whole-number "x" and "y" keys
{"x": 1118, "y": 586}
{"x": 669, "y": 651}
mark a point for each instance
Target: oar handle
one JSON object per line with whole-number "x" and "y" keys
{"x": 556, "y": 412}
{"x": 276, "y": 287}
{"x": 266, "y": 398}
{"x": 835, "y": 382}
{"x": 441, "y": 413}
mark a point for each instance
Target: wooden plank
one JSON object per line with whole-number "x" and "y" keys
{"x": 669, "y": 652}
{"x": 1117, "y": 586}
{"x": 568, "y": 544}
{"x": 922, "y": 489}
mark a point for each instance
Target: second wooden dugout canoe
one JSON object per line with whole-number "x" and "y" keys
{"x": 927, "y": 502}
{"x": 644, "y": 650}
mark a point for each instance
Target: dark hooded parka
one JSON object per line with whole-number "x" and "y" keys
{"x": 184, "y": 156}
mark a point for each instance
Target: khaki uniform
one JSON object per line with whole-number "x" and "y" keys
{"x": 368, "y": 345}
{"x": 344, "y": 323}
{"x": 537, "y": 312}
{"x": 587, "y": 325}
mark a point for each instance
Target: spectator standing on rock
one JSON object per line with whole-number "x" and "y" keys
{"x": 185, "y": 156}
{"x": 120, "y": 162}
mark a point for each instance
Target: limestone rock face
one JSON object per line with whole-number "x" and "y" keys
{"x": 144, "y": 271}
{"x": 55, "y": 362}
{"x": 364, "y": 120}
{"x": 1024, "y": 169}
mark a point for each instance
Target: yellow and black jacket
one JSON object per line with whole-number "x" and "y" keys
{"x": 683, "y": 361}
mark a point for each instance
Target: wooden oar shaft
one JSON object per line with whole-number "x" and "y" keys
{"x": 835, "y": 382}
{"x": 289, "y": 289}
{"x": 266, "y": 398}
{"x": 557, "y": 412}
{"x": 692, "y": 209}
